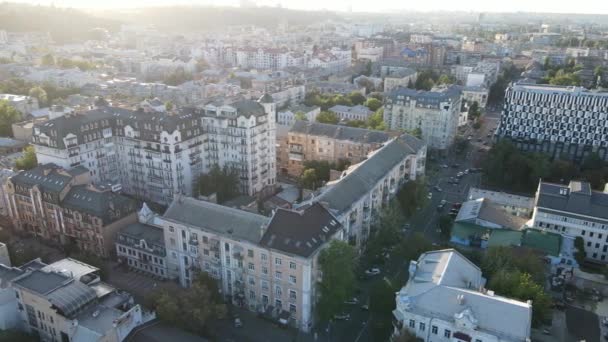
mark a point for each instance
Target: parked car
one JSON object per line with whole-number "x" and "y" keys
{"x": 437, "y": 188}
{"x": 352, "y": 301}
{"x": 430, "y": 195}
{"x": 342, "y": 317}
{"x": 372, "y": 271}
{"x": 365, "y": 307}
{"x": 444, "y": 166}
{"x": 238, "y": 323}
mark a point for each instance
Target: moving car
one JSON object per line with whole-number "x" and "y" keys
{"x": 352, "y": 301}
{"x": 342, "y": 317}
{"x": 430, "y": 195}
{"x": 238, "y": 323}
{"x": 372, "y": 271}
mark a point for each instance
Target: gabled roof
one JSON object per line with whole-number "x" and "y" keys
{"x": 141, "y": 231}
{"x": 341, "y": 195}
{"x": 339, "y": 132}
{"x": 223, "y": 220}
{"x": 300, "y": 232}
{"x": 577, "y": 198}
{"x": 107, "y": 205}
{"x": 50, "y": 178}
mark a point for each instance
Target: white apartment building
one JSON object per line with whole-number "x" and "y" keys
{"x": 24, "y": 104}
{"x": 267, "y": 58}
{"x": 157, "y": 155}
{"x": 66, "y": 301}
{"x": 574, "y": 210}
{"x": 555, "y": 120}
{"x": 291, "y": 95}
{"x": 475, "y": 94}
{"x": 445, "y": 300}
{"x": 268, "y": 265}
{"x": 287, "y": 117}
{"x": 436, "y": 113}
{"x": 359, "y": 194}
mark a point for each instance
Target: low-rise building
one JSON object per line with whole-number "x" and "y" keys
{"x": 24, "y": 104}
{"x": 66, "y": 301}
{"x": 445, "y": 300}
{"x": 63, "y": 207}
{"x": 142, "y": 247}
{"x": 309, "y": 141}
{"x": 574, "y": 210}
{"x": 515, "y": 204}
{"x": 288, "y": 116}
{"x": 348, "y": 113}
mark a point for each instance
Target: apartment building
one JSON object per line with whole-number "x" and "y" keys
{"x": 358, "y": 112}
{"x": 66, "y": 301}
{"x": 574, "y": 210}
{"x": 63, "y": 207}
{"x": 556, "y": 120}
{"x": 155, "y": 155}
{"x": 357, "y": 197}
{"x": 268, "y": 58}
{"x": 142, "y": 247}
{"x": 445, "y": 300}
{"x": 436, "y": 113}
{"x": 287, "y": 117}
{"x": 307, "y": 141}
{"x": 399, "y": 78}
{"x": 268, "y": 265}
{"x": 475, "y": 94}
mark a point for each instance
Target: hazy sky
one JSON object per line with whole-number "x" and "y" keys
{"x": 555, "y": 6}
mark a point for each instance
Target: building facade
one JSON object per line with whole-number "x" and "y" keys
{"x": 574, "y": 210}
{"x": 308, "y": 141}
{"x": 445, "y": 300}
{"x": 63, "y": 207}
{"x": 358, "y": 196}
{"x": 156, "y": 155}
{"x": 268, "y": 265}
{"x": 348, "y": 113}
{"x": 435, "y": 113}
{"x": 556, "y": 120}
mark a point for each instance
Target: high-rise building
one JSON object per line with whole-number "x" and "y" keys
{"x": 435, "y": 113}
{"x": 560, "y": 121}
{"x": 154, "y": 155}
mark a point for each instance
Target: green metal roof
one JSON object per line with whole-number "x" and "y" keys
{"x": 505, "y": 237}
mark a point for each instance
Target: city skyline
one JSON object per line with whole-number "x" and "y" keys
{"x": 383, "y": 6}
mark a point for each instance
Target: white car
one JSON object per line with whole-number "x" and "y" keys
{"x": 372, "y": 271}
{"x": 342, "y": 317}
{"x": 430, "y": 195}
{"x": 352, "y": 301}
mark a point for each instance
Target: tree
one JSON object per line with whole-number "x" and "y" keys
{"x": 413, "y": 246}
{"x": 8, "y": 116}
{"x": 356, "y": 123}
{"x": 356, "y": 98}
{"x": 411, "y": 196}
{"x": 28, "y": 160}
{"x": 417, "y": 132}
{"x": 410, "y": 84}
{"x": 446, "y": 79}
{"x": 301, "y": 116}
{"x": 474, "y": 111}
{"x": 373, "y": 104}
{"x": 377, "y": 95}
{"x": 579, "y": 245}
{"x": 168, "y": 106}
{"x": 200, "y": 303}
{"x": 376, "y": 120}
{"x": 445, "y": 226}
{"x": 221, "y": 181}
{"x": 406, "y": 336}
{"x": 516, "y": 284}
{"x": 338, "y": 278}
{"x": 328, "y": 117}
{"x": 388, "y": 230}
{"x": 309, "y": 179}
{"x": 48, "y": 60}
{"x": 39, "y": 94}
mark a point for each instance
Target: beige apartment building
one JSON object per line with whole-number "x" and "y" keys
{"x": 266, "y": 264}
{"x": 318, "y": 141}
{"x": 61, "y": 206}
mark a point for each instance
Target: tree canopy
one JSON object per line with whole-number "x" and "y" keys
{"x": 373, "y": 104}
{"x": 338, "y": 280}
{"x": 222, "y": 181}
{"x": 328, "y": 117}
{"x": 8, "y": 116}
{"x": 28, "y": 160}
{"x": 40, "y": 94}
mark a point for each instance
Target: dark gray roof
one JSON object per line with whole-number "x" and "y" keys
{"x": 339, "y": 132}
{"x": 49, "y": 177}
{"x": 300, "y": 232}
{"x": 433, "y": 97}
{"x": 361, "y": 180}
{"x": 41, "y": 282}
{"x": 8, "y": 273}
{"x": 248, "y": 108}
{"x": 266, "y": 98}
{"x": 576, "y": 198}
{"x": 227, "y": 221}
{"x": 139, "y": 231}
{"x": 106, "y": 205}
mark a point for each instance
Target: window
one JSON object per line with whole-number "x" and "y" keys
{"x": 292, "y": 279}
{"x": 205, "y": 239}
{"x": 251, "y": 281}
{"x": 277, "y": 261}
{"x": 422, "y": 326}
{"x": 292, "y": 309}
{"x": 251, "y": 266}
{"x": 434, "y": 329}
{"x": 292, "y": 294}
{"x": 264, "y": 270}
{"x": 292, "y": 265}
{"x": 264, "y": 257}
{"x": 278, "y": 275}
{"x": 412, "y": 323}
{"x": 447, "y": 333}
{"x": 278, "y": 291}
{"x": 251, "y": 294}
{"x": 250, "y": 253}
{"x": 171, "y": 229}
